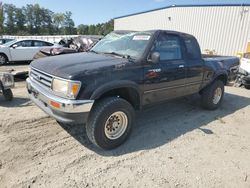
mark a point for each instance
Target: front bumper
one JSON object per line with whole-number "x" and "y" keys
{"x": 63, "y": 110}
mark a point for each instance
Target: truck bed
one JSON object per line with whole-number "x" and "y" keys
{"x": 229, "y": 63}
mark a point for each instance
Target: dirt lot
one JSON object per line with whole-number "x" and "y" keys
{"x": 177, "y": 144}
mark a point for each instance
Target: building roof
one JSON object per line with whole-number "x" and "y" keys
{"x": 177, "y": 6}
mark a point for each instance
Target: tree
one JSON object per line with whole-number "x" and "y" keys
{"x": 20, "y": 20}
{"x": 36, "y": 20}
{"x": 82, "y": 29}
{"x": 30, "y": 20}
{"x": 68, "y": 24}
{"x": 58, "y": 20}
{"x": 10, "y": 18}
{"x": 47, "y": 23}
{"x": 91, "y": 30}
{"x": 1, "y": 18}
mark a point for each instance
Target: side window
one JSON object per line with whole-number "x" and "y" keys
{"x": 38, "y": 43}
{"x": 169, "y": 47}
{"x": 41, "y": 43}
{"x": 193, "y": 49}
{"x": 48, "y": 44}
{"x": 25, "y": 43}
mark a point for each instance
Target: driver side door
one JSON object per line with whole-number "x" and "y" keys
{"x": 22, "y": 50}
{"x": 166, "y": 79}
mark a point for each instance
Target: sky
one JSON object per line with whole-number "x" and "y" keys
{"x": 99, "y": 11}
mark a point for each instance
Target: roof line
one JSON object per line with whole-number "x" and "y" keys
{"x": 176, "y": 6}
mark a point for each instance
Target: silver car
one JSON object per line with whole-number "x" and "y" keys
{"x": 22, "y": 50}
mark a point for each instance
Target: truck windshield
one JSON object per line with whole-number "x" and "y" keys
{"x": 131, "y": 44}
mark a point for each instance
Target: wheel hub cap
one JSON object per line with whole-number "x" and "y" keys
{"x": 2, "y": 60}
{"x": 217, "y": 95}
{"x": 116, "y": 125}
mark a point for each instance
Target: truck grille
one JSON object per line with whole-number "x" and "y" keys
{"x": 41, "y": 77}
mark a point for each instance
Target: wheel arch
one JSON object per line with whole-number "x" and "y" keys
{"x": 3, "y": 54}
{"x": 127, "y": 90}
{"x": 222, "y": 77}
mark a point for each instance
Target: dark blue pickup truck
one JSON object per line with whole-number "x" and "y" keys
{"x": 124, "y": 72}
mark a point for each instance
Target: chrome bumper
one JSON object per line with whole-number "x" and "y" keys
{"x": 45, "y": 99}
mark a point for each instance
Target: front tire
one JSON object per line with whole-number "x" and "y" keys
{"x": 3, "y": 59}
{"x": 110, "y": 122}
{"x": 8, "y": 95}
{"x": 211, "y": 97}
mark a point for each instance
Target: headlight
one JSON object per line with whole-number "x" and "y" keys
{"x": 66, "y": 88}
{"x": 7, "y": 80}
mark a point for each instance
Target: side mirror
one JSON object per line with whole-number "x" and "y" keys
{"x": 155, "y": 57}
{"x": 14, "y": 46}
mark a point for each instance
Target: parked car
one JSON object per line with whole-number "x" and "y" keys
{"x": 46, "y": 52}
{"x": 3, "y": 41}
{"x": 68, "y": 46}
{"x": 243, "y": 76}
{"x": 22, "y": 50}
{"x": 104, "y": 87}
{"x": 6, "y": 83}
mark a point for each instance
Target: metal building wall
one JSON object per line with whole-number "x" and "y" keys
{"x": 225, "y": 29}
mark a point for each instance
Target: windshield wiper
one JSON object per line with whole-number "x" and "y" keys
{"x": 114, "y": 53}
{"x": 121, "y": 55}
{"x": 93, "y": 51}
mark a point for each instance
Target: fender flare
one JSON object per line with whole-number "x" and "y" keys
{"x": 223, "y": 73}
{"x": 115, "y": 85}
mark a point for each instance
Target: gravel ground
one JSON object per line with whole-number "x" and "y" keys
{"x": 177, "y": 144}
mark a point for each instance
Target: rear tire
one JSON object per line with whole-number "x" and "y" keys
{"x": 212, "y": 96}
{"x": 247, "y": 86}
{"x": 110, "y": 122}
{"x": 8, "y": 95}
{"x": 3, "y": 59}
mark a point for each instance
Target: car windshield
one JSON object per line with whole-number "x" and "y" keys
{"x": 131, "y": 44}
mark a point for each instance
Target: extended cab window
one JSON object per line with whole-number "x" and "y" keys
{"x": 192, "y": 48}
{"x": 169, "y": 47}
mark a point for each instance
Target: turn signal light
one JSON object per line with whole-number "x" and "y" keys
{"x": 55, "y": 104}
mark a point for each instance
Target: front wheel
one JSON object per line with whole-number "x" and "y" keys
{"x": 212, "y": 96}
{"x": 8, "y": 95}
{"x": 3, "y": 59}
{"x": 110, "y": 122}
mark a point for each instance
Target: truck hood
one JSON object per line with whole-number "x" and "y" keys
{"x": 70, "y": 66}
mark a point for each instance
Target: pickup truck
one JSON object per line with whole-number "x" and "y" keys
{"x": 103, "y": 87}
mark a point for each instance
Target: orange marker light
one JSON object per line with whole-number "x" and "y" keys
{"x": 55, "y": 104}
{"x": 75, "y": 88}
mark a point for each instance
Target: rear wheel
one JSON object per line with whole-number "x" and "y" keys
{"x": 247, "y": 86}
{"x": 212, "y": 96}
{"x": 8, "y": 95}
{"x": 3, "y": 59}
{"x": 110, "y": 122}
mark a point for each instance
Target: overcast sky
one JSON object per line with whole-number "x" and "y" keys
{"x": 98, "y": 11}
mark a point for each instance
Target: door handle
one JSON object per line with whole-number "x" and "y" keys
{"x": 181, "y": 66}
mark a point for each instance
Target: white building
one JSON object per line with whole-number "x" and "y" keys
{"x": 222, "y": 28}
